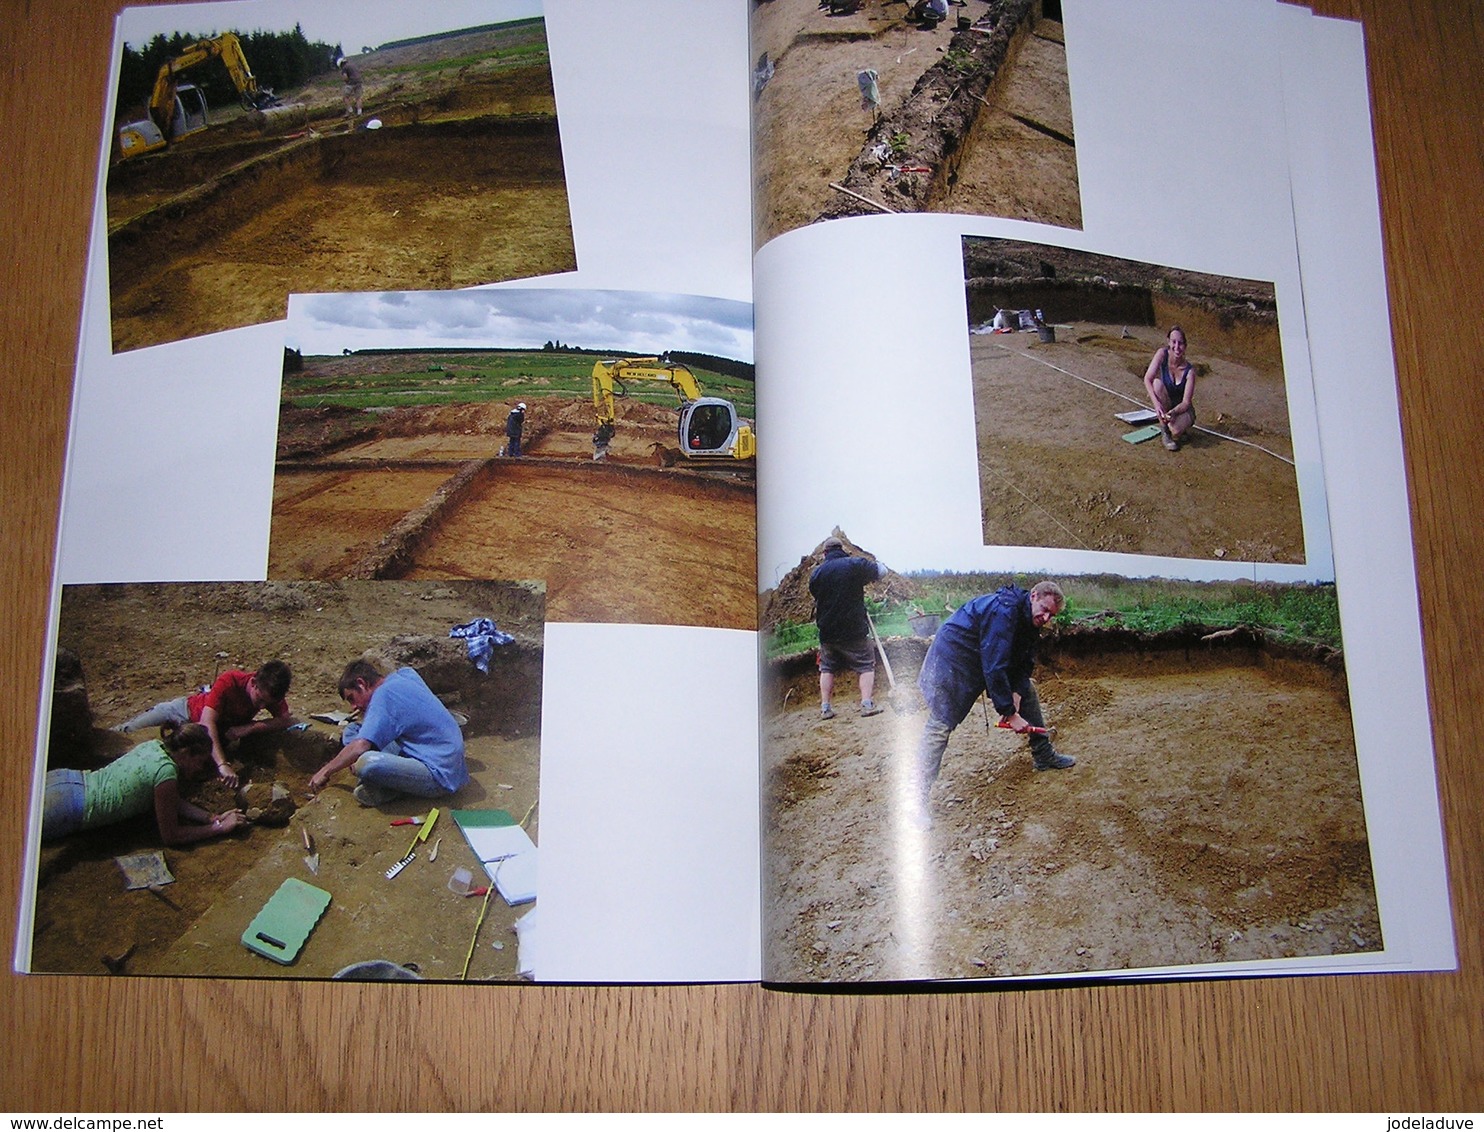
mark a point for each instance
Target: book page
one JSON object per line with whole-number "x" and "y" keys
{"x": 1143, "y": 413}
{"x": 464, "y": 146}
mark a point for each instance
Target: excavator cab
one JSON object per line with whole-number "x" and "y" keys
{"x": 190, "y": 111}
{"x": 711, "y": 427}
{"x": 145, "y": 136}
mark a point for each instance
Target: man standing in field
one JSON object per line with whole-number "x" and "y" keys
{"x": 406, "y": 743}
{"x": 987, "y": 645}
{"x": 228, "y": 710}
{"x": 515, "y": 424}
{"x": 838, "y": 585}
{"x": 351, "y": 73}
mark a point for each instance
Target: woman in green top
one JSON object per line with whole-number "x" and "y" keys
{"x": 145, "y": 779}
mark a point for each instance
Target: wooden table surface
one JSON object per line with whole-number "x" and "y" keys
{"x": 1394, "y": 1043}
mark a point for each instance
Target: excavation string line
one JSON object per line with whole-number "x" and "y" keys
{"x": 1008, "y": 482}
{"x": 1135, "y": 401}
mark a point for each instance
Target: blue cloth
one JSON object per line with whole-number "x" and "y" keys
{"x": 482, "y": 637}
{"x": 987, "y": 645}
{"x": 403, "y": 711}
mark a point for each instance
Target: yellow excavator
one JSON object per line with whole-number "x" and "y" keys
{"x": 178, "y": 109}
{"x": 710, "y": 428}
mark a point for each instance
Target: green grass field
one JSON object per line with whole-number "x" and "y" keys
{"x": 476, "y": 376}
{"x": 1304, "y": 614}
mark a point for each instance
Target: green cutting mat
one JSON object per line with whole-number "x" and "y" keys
{"x": 1139, "y": 435}
{"x": 279, "y": 930}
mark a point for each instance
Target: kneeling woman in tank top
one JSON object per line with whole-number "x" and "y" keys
{"x": 1170, "y": 381}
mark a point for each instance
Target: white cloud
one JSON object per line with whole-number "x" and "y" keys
{"x": 512, "y": 318}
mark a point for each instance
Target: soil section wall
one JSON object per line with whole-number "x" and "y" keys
{"x": 1214, "y": 814}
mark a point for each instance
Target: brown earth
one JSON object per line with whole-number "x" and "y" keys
{"x": 623, "y": 540}
{"x": 988, "y": 121}
{"x": 140, "y": 644}
{"x": 790, "y": 600}
{"x": 1214, "y": 815}
{"x": 1055, "y": 471}
{"x": 463, "y": 185}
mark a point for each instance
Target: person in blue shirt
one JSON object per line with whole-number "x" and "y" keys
{"x": 987, "y": 646}
{"x": 407, "y": 742}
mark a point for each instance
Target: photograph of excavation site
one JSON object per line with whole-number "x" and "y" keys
{"x": 1214, "y": 814}
{"x": 447, "y": 173}
{"x": 864, "y": 107}
{"x": 394, "y": 458}
{"x": 123, "y": 648}
{"x": 1071, "y": 454}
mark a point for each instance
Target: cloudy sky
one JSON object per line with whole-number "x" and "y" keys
{"x": 351, "y": 23}
{"x": 628, "y": 321}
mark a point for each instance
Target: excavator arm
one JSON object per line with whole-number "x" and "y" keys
{"x": 709, "y": 427}
{"x": 609, "y": 377}
{"x": 226, "y": 47}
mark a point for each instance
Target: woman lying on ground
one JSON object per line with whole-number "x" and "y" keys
{"x": 1170, "y": 381}
{"x": 146, "y": 778}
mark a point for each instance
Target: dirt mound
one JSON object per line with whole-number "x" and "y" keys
{"x": 791, "y": 601}
{"x": 475, "y": 419}
{"x": 303, "y": 433}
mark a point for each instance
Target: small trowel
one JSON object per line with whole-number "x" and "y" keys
{"x": 311, "y": 858}
{"x": 422, "y": 835}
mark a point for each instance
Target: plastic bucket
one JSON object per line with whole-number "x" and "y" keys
{"x": 1047, "y": 333}
{"x": 924, "y": 624}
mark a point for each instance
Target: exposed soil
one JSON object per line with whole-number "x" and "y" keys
{"x": 462, "y": 184}
{"x": 623, "y": 540}
{"x": 140, "y": 644}
{"x": 1214, "y": 814}
{"x": 975, "y": 121}
{"x": 790, "y": 600}
{"x": 1055, "y": 471}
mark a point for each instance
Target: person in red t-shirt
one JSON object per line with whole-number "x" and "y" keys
{"x": 228, "y": 710}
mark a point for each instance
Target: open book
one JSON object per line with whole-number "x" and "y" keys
{"x": 542, "y": 349}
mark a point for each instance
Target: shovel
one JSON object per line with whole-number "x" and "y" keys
{"x": 899, "y": 698}
{"x": 891, "y": 679}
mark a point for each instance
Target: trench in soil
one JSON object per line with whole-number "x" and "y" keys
{"x": 612, "y": 543}
{"x": 422, "y": 206}
{"x": 1019, "y": 152}
{"x": 139, "y": 644}
{"x": 1015, "y": 157}
{"x": 1055, "y": 469}
{"x": 1214, "y": 815}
